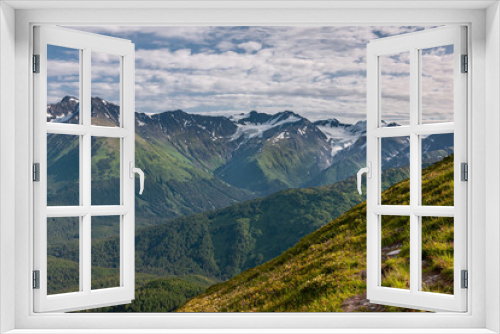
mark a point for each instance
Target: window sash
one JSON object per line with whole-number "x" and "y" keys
{"x": 85, "y": 298}
{"x": 414, "y": 298}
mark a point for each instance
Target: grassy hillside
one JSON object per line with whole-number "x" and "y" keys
{"x": 326, "y": 270}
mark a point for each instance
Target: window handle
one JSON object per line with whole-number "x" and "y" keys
{"x": 368, "y": 171}
{"x": 135, "y": 170}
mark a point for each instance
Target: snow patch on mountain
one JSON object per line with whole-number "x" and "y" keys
{"x": 359, "y": 127}
{"x": 339, "y": 138}
{"x": 252, "y": 130}
{"x": 238, "y": 117}
{"x": 280, "y": 136}
{"x": 339, "y": 135}
{"x": 62, "y": 118}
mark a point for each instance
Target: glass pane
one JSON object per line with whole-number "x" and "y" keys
{"x": 63, "y": 170}
{"x": 63, "y": 84}
{"x": 105, "y": 171}
{"x": 105, "y": 89}
{"x": 437, "y": 170}
{"x": 395, "y": 89}
{"x": 63, "y": 268}
{"x": 437, "y": 254}
{"x": 395, "y": 177}
{"x": 437, "y": 84}
{"x": 105, "y": 252}
{"x": 395, "y": 234}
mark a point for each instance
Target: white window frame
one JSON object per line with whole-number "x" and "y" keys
{"x": 85, "y": 44}
{"x": 482, "y": 315}
{"x": 413, "y": 44}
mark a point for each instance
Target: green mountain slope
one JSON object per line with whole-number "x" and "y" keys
{"x": 222, "y": 243}
{"x": 204, "y": 141}
{"x": 284, "y": 157}
{"x": 250, "y": 233}
{"x": 346, "y": 163}
{"x": 326, "y": 270}
{"x": 176, "y": 183}
{"x": 175, "y": 187}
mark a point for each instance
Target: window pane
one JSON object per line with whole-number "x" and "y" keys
{"x": 63, "y": 268}
{"x": 437, "y": 84}
{"x": 395, "y": 234}
{"x": 105, "y": 89}
{"x": 105, "y": 171}
{"x": 63, "y": 84}
{"x": 395, "y": 169}
{"x": 105, "y": 252}
{"x": 63, "y": 170}
{"x": 437, "y": 254}
{"x": 395, "y": 88}
{"x": 437, "y": 170}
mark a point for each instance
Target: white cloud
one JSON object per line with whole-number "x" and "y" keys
{"x": 316, "y": 71}
{"x": 250, "y": 46}
{"x": 192, "y": 33}
{"x": 62, "y": 68}
{"x": 225, "y": 46}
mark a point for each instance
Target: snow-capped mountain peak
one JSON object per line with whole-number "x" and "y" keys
{"x": 64, "y": 111}
{"x": 256, "y": 124}
{"x": 358, "y": 128}
{"x": 340, "y": 135}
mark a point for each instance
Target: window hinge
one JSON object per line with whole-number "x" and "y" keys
{"x": 36, "y": 172}
{"x": 464, "y": 171}
{"x": 36, "y": 279}
{"x": 36, "y": 63}
{"x": 465, "y": 279}
{"x": 465, "y": 64}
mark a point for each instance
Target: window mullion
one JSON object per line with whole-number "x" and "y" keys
{"x": 86, "y": 165}
{"x": 81, "y": 182}
{"x": 85, "y": 263}
{"x": 415, "y": 258}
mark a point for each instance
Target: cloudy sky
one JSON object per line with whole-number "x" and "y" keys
{"x": 318, "y": 72}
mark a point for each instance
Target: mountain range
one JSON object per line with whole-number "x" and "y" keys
{"x": 194, "y": 163}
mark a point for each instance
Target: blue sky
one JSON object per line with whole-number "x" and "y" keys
{"x": 318, "y": 72}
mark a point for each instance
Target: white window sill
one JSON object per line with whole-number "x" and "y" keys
{"x": 251, "y": 331}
